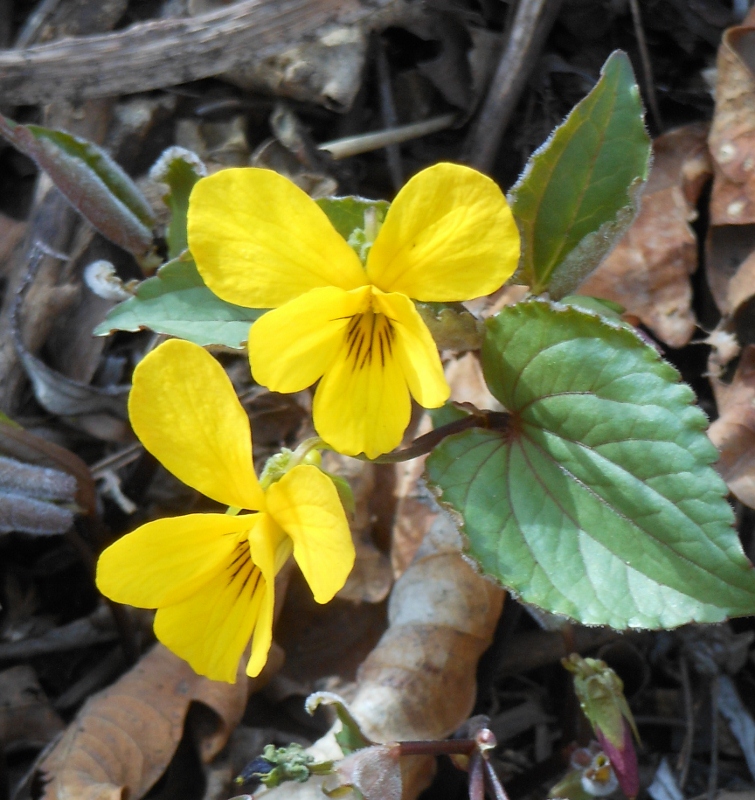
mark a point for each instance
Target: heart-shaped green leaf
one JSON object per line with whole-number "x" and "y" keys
{"x": 579, "y": 191}
{"x": 598, "y": 501}
{"x": 177, "y": 302}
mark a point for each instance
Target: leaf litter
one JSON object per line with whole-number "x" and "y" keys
{"x": 408, "y": 644}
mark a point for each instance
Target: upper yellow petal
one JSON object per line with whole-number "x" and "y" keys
{"x": 211, "y": 628}
{"x": 415, "y": 349}
{"x": 185, "y": 412}
{"x": 168, "y": 560}
{"x": 292, "y": 346}
{"x": 449, "y": 235}
{"x": 270, "y": 548}
{"x": 362, "y": 403}
{"x": 259, "y": 241}
{"x": 305, "y": 503}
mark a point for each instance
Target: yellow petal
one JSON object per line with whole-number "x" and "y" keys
{"x": 259, "y": 241}
{"x": 415, "y": 350}
{"x": 292, "y": 346}
{"x": 362, "y": 403}
{"x": 448, "y": 235}
{"x": 168, "y": 560}
{"x": 212, "y": 628}
{"x": 270, "y": 548}
{"x": 305, "y": 503}
{"x": 185, "y": 411}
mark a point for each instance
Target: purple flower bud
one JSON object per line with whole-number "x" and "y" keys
{"x": 623, "y": 759}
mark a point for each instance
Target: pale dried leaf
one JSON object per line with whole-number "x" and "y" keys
{"x": 124, "y": 737}
{"x": 648, "y": 271}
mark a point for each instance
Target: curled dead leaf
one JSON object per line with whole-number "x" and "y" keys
{"x": 648, "y": 271}
{"x": 419, "y": 681}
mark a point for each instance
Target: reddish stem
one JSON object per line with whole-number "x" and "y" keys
{"x": 449, "y": 747}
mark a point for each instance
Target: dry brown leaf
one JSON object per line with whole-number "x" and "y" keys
{"x": 733, "y": 432}
{"x": 731, "y": 237}
{"x": 26, "y": 717}
{"x": 648, "y": 271}
{"x": 732, "y": 134}
{"x": 124, "y": 737}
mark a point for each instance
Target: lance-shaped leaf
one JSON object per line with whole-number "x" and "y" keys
{"x": 579, "y": 191}
{"x": 177, "y": 302}
{"x": 598, "y": 501}
{"x": 91, "y": 181}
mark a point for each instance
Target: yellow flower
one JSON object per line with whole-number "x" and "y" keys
{"x": 211, "y": 576}
{"x": 260, "y": 241}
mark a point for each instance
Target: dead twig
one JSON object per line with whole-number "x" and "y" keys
{"x": 713, "y": 774}
{"x": 532, "y": 23}
{"x": 685, "y": 753}
{"x": 388, "y": 113}
{"x": 647, "y": 68}
{"x": 367, "y": 142}
{"x": 161, "y": 53}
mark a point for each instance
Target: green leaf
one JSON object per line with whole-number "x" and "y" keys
{"x": 346, "y": 214}
{"x": 180, "y": 169}
{"x": 177, "y": 302}
{"x": 579, "y": 191}
{"x": 90, "y": 180}
{"x": 598, "y": 500}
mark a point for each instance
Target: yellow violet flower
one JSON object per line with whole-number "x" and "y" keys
{"x": 212, "y": 576}
{"x": 259, "y": 241}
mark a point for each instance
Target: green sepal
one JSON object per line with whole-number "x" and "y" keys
{"x": 597, "y": 500}
{"x": 580, "y": 191}
{"x": 345, "y": 494}
{"x": 176, "y": 302}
